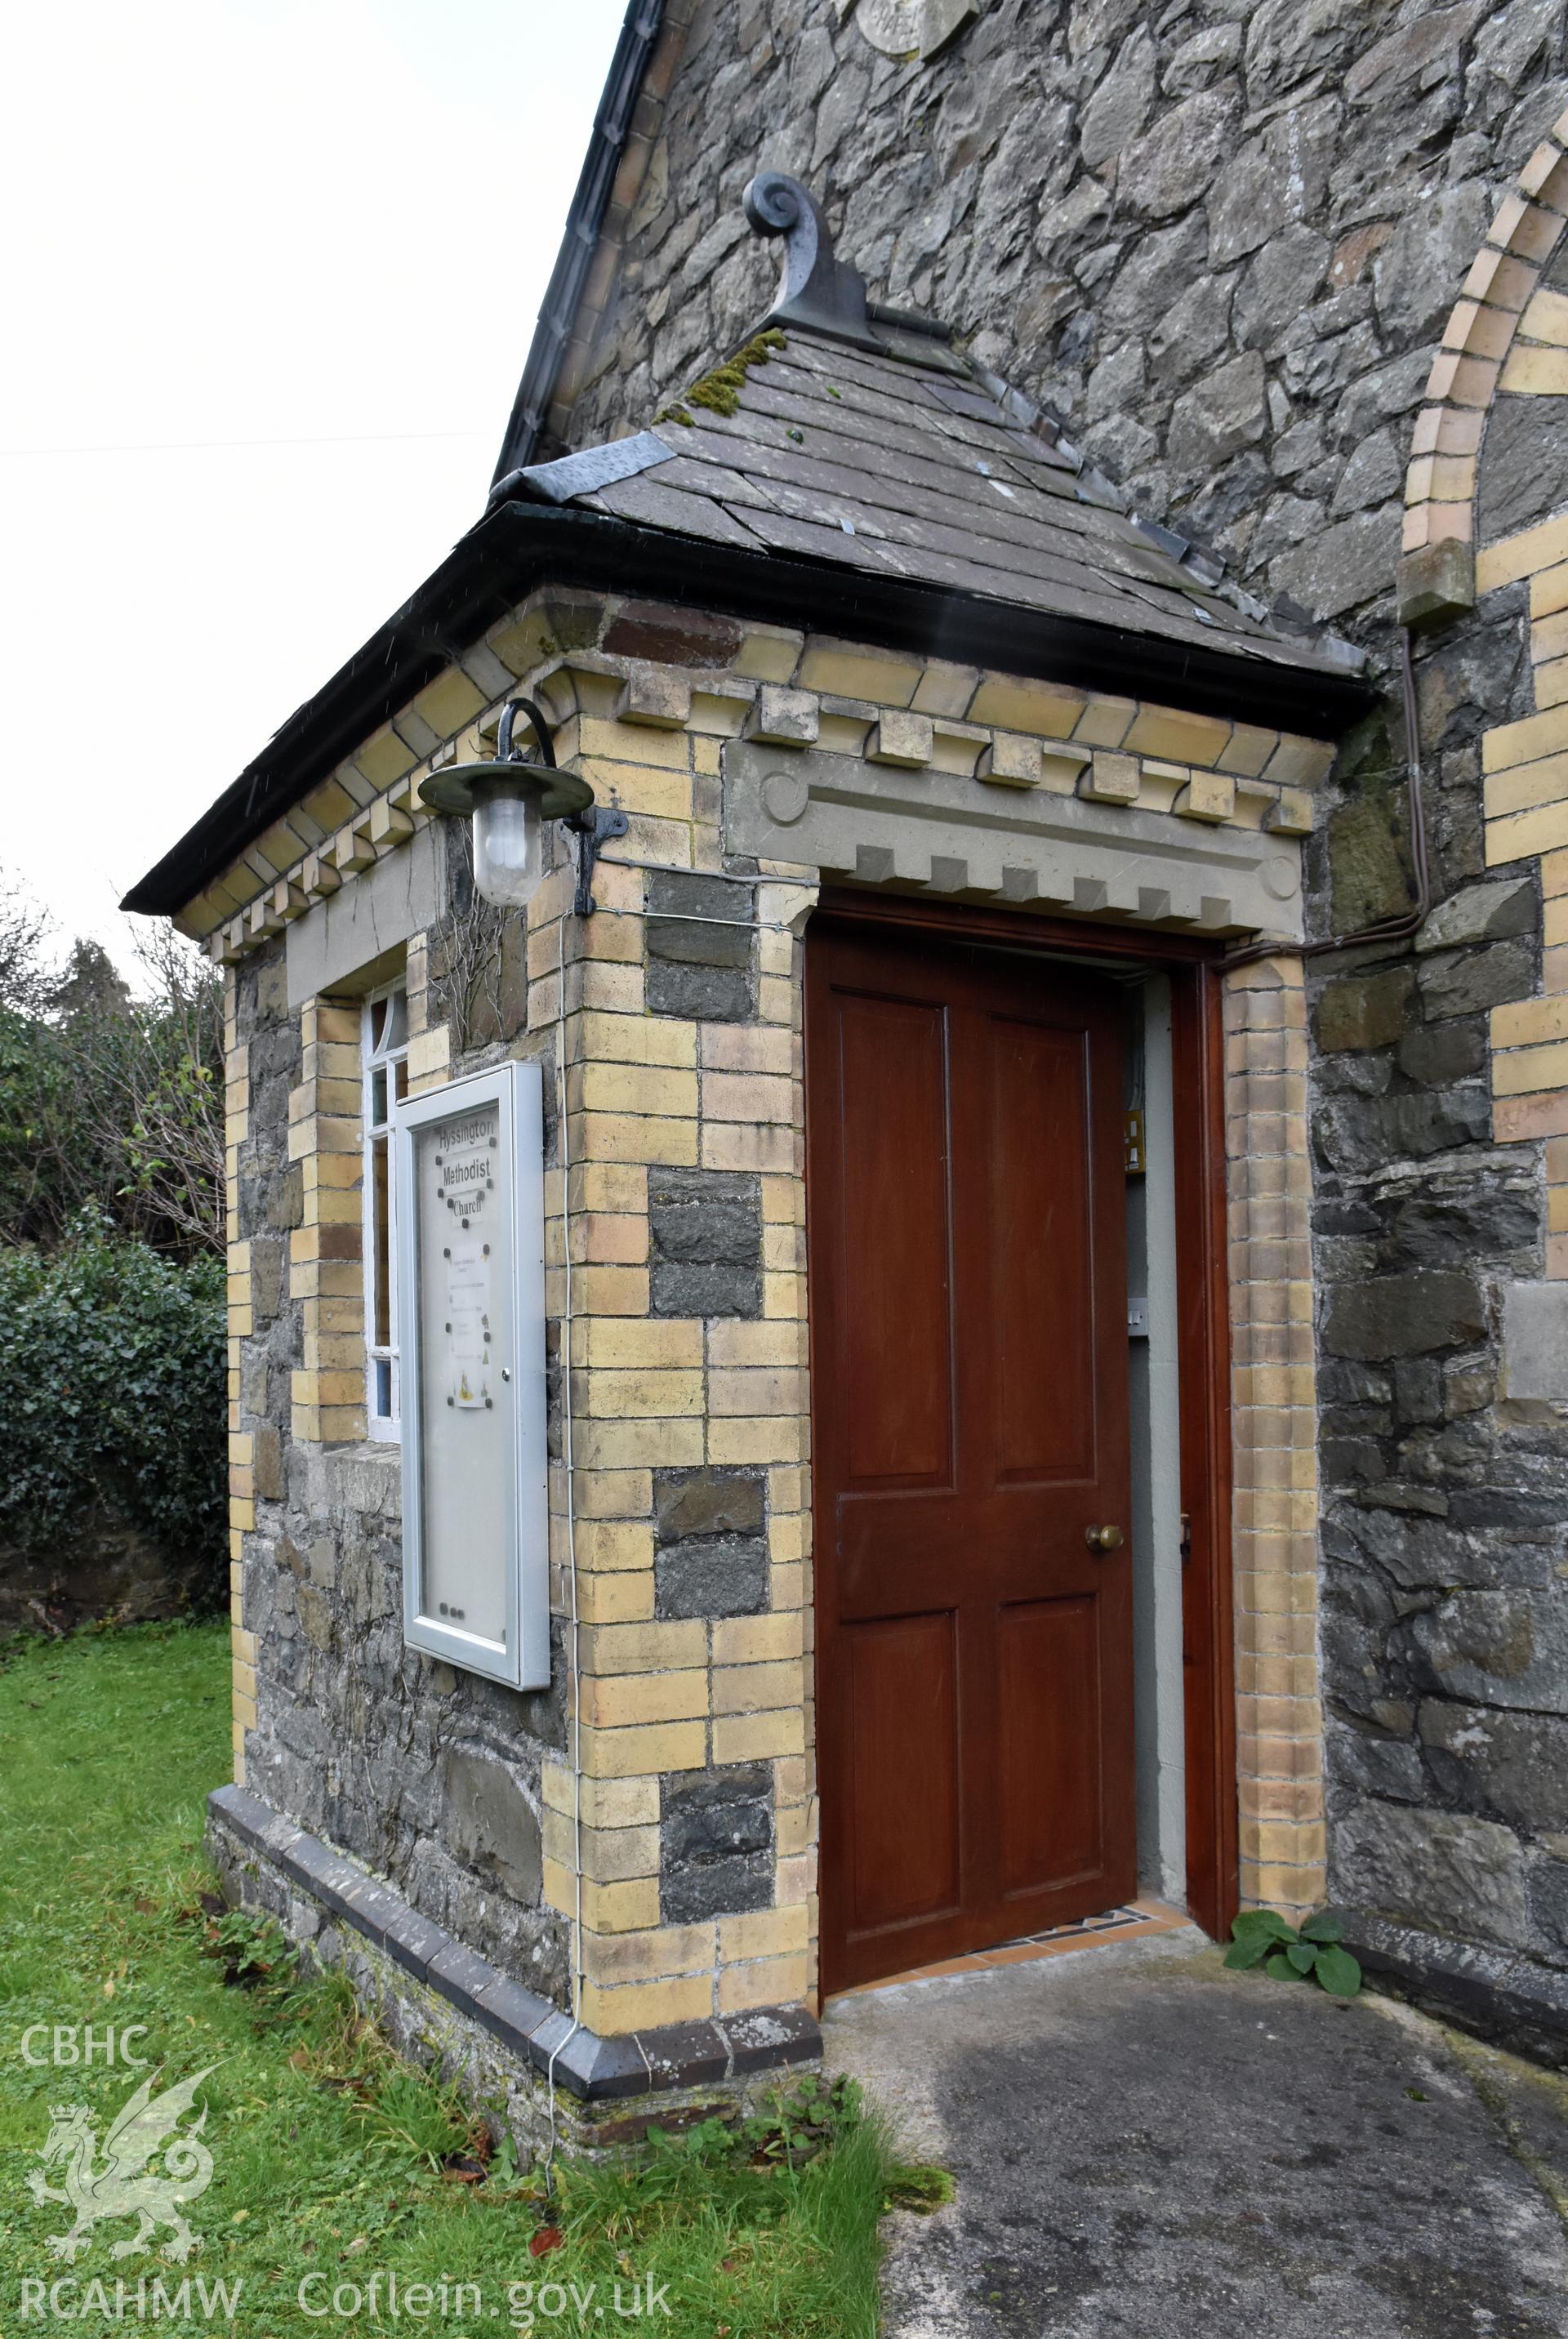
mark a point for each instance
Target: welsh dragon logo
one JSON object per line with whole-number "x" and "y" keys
{"x": 120, "y": 2185}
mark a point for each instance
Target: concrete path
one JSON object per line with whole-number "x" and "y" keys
{"x": 1145, "y": 2145}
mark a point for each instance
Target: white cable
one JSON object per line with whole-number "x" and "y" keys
{"x": 689, "y": 918}
{"x": 693, "y": 917}
{"x": 573, "y": 1643}
{"x": 674, "y": 869}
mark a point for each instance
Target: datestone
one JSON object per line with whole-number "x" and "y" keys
{"x": 1535, "y": 1341}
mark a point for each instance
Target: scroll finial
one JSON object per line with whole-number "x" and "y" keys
{"x": 817, "y": 288}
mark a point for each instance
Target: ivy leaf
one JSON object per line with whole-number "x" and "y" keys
{"x": 1338, "y": 1972}
{"x": 1323, "y": 1928}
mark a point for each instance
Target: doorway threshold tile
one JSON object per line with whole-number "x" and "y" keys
{"x": 1134, "y": 1921}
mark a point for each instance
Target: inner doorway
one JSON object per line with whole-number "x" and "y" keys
{"x": 967, "y": 1227}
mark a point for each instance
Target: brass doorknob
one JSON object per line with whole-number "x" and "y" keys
{"x": 1102, "y": 1538}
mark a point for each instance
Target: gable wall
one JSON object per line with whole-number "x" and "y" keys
{"x": 1220, "y": 247}
{"x": 1272, "y": 268}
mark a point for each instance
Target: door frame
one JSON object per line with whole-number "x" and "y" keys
{"x": 1197, "y": 1043}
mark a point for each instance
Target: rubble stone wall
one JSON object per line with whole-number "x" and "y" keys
{"x": 430, "y": 1777}
{"x": 1219, "y": 245}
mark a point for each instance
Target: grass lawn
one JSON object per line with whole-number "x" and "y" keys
{"x": 330, "y": 2160}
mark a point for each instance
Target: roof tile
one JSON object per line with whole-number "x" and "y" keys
{"x": 877, "y": 462}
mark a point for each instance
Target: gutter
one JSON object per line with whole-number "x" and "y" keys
{"x": 517, "y": 547}
{"x": 596, "y": 182}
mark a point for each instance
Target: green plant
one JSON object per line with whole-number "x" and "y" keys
{"x": 920, "y": 2186}
{"x": 112, "y": 1391}
{"x": 1261, "y": 1937}
{"x": 793, "y": 2126}
{"x": 254, "y": 1951}
{"x": 797, "y": 2123}
{"x": 406, "y": 2112}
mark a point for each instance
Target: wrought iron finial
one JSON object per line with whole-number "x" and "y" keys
{"x": 817, "y": 288}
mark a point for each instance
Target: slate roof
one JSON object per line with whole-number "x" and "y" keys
{"x": 878, "y": 486}
{"x": 911, "y": 464}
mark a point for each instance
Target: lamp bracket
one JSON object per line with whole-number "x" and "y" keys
{"x": 505, "y": 751}
{"x": 593, "y": 828}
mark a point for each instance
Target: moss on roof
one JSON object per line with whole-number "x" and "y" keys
{"x": 720, "y": 391}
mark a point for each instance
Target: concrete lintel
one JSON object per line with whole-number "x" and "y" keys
{"x": 387, "y": 905}
{"x": 954, "y": 835}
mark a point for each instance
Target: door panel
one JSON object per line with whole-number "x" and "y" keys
{"x": 895, "y": 1216}
{"x": 966, "y": 1229}
{"x": 892, "y": 1166}
{"x": 1041, "y": 1268}
{"x": 1049, "y": 1682}
{"x": 903, "y": 1690}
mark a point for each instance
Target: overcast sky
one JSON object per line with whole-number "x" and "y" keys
{"x": 270, "y": 269}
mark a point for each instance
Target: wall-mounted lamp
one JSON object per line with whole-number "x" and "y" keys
{"x": 509, "y": 802}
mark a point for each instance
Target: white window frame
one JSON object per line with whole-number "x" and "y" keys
{"x": 383, "y": 1055}
{"x": 524, "y": 1660}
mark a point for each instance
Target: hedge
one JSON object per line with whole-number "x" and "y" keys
{"x": 112, "y": 1393}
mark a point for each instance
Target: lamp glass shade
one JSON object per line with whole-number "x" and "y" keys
{"x": 508, "y": 844}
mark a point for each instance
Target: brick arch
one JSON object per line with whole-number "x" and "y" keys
{"x": 1508, "y": 332}
{"x": 1492, "y": 312}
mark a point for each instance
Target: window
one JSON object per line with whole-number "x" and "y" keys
{"x": 385, "y": 1051}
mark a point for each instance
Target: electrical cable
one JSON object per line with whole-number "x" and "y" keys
{"x": 719, "y": 876}
{"x": 574, "y": 1670}
{"x": 692, "y": 917}
{"x": 1405, "y": 923}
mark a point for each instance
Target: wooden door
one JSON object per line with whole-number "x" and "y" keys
{"x": 966, "y": 1218}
